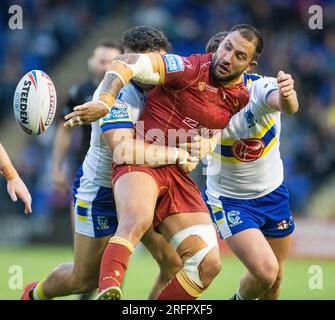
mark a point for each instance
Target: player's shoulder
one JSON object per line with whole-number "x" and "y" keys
{"x": 178, "y": 63}
{"x": 130, "y": 93}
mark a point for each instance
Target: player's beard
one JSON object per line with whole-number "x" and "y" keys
{"x": 223, "y": 79}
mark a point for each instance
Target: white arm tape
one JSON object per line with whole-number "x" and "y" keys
{"x": 142, "y": 70}
{"x": 105, "y": 104}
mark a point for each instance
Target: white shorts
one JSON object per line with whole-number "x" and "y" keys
{"x": 94, "y": 206}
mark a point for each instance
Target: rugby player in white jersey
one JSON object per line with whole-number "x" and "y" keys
{"x": 95, "y": 213}
{"x": 245, "y": 189}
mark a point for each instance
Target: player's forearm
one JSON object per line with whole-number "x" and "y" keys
{"x": 144, "y": 68}
{"x": 138, "y": 152}
{"x": 61, "y": 147}
{"x": 289, "y": 105}
{"x": 7, "y": 169}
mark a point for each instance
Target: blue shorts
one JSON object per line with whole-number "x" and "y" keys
{"x": 94, "y": 206}
{"x": 271, "y": 214}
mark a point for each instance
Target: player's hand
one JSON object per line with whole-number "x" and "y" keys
{"x": 186, "y": 162}
{"x": 199, "y": 147}
{"x": 85, "y": 114}
{"x": 17, "y": 189}
{"x": 60, "y": 181}
{"x": 285, "y": 84}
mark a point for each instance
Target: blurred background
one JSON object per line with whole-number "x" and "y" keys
{"x": 59, "y": 36}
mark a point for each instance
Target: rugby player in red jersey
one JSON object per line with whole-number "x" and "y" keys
{"x": 200, "y": 91}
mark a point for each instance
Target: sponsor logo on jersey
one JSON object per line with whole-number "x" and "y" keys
{"x": 173, "y": 63}
{"x": 190, "y": 122}
{"x": 234, "y": 218}
{"x": 204, "y": 86}
{"x": 250, "y": 118}
{"x": 187, "y": 63}
{"x": 119, "y": 113}
{"x": 247, "y": 150}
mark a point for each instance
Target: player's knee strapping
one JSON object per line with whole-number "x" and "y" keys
{"x": 191, "y": 265}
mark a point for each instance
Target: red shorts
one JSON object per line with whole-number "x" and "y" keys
{"x": 177, "y": 192}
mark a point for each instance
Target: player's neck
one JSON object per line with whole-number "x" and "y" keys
{"x": 233, "y": 82}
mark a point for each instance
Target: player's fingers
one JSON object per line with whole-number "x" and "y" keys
{"x": 280, "y": 73}
{"x": 27, "y": 202}
{"x": 79, "y": 108}
{"x": 12, "y": 194}
{"x": 287, "y": 82}
{"x": 71, "y": 123}
{"x": 185, "y": 146}
{"x": 196, "y": 138}
{"x": 287, "y": 89}
{"x": 71, "y": 115}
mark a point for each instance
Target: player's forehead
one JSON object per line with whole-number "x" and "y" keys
{"x": 239, "y": 43}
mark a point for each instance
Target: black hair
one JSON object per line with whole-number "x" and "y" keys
{"x": 143, "y": 38}
{"x": 251, "y": 33}
{"x": 214, "y": 42}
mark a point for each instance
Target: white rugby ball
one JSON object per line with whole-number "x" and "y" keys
{"x": 35, "y": 102}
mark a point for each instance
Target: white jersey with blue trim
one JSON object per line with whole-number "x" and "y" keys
{"x": 128, "y": 106}
{"x": 246, "y": 163}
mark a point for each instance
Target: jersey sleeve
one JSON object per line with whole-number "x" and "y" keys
{"x": 180, "y": 72}
{"x": 263, "y": 87}
{"x": 119, "y": 116}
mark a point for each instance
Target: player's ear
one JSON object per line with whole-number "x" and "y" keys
{"x": 252, "y": 65}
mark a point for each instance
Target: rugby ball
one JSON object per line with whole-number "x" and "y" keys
{"x": 35, "y": 102}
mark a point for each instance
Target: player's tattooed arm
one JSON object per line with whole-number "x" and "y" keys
{"x": 285, "y": 99}
{"x": 144, "y": 68}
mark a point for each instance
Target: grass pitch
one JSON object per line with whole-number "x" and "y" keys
{"x": 37, "y": 262}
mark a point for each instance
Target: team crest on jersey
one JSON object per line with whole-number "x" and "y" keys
{"x": 234, "y": 218}
{"x": 250, "y": 118}
{"x": 102, "y": 223}
{"x": 202, "y": 85}
{"x": 173, "y": 63}
{"x": 247, "y": 150}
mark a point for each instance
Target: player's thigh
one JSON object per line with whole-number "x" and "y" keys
{"x": 88, "y": 252}
{"x": 180, "y": 221}
{"x": 135, "y": 195}
{"x": 161, "y": 250}
{"x": 253, "y": 249}
{"x": 280, "y": 247}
